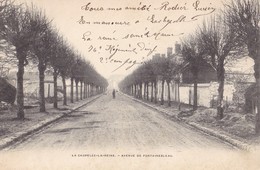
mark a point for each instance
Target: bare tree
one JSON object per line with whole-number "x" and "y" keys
{"x": 193, "y": 53}
{"x": 219, "y": 40}
{"x": 244, "y": 17}
{"x": 159, "y": 65}
{"x": 65, "y": 69}
{"x": 171, "y": 70}
{"x": 42, "y": 49}
{"x": 55, "y": 60}
{"x": 21, "y": 26}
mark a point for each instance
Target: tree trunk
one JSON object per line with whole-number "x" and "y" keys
{"x": 152, "y": 83}
{"x": 141, "y": 89}
{"x": 55, "y": 96}
{"x": 221, "y": 80}
{"x": 147, "y": 91}
{"x": 257, "y": 77}
{"x": 178, "y": 97}
{"x": 81, "y": 90}
{"x": 175, "y": 91}
{"x": 162, "y": 95}
{"x": 87, "y": 90}
{"x": 155, "y": 92}
{"x": 71, "y": 90}
{"x": 64, "y": 91}
{"x": 20, "y": 95}
{"x": 135, "y": 91}
{"x": 144, "y": 91}
{"x": 91, "y": 89}
{"x": 195, "y": 89}
{"x": 41, "y": 87}
{"x": 77, "y": 90}
{"x": 85, "y": 95}
{"x": 169, "y": 93}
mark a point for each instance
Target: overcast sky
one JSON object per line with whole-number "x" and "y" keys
{"x": 175, "y": 22}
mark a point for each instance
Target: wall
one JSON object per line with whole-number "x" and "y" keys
{"x": 206, "y": 93}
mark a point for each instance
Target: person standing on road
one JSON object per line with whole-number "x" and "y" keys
{"x": 114, "y": 93}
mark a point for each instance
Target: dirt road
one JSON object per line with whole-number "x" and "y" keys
{"x": 116, "y": 124}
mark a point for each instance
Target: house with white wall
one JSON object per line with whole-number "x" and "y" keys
{"x": 238, "y": 74}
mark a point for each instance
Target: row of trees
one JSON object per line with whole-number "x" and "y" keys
{"x": 27, "y": 35}
{"x": 159, "y": 68}
{"x": 233, "y": 33}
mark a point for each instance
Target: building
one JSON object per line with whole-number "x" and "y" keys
{"x": 238, "y": 77}
{"x": 31, "y": 83}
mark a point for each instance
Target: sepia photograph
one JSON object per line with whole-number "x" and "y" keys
{"x": 129, "y": 84}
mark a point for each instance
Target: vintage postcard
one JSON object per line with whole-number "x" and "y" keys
{"x": 129, "y": 84}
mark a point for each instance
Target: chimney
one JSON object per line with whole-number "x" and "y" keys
{"x": 169, "y": 51}
{"x": 177, "y": 48}
{"x": 155, "y": 56}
